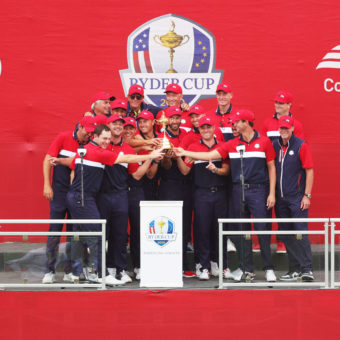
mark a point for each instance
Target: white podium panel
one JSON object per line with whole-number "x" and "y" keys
{"x": 161, "y": 243}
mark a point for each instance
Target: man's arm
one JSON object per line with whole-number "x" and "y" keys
{"x": 183, "y": 168}
{"x": 204, "y": 156}
{"x": 142, "y": 169}
{"x": 139, "y": 158}
{"x": 223, "y": 171}
{"x": 272, "y": 183}
{"x": 62, "y": 161}
{"x": 305, "y": 202}
{"x": 48, "y": 191}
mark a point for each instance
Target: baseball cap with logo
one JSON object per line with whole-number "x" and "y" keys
{"x": 136, "y": 89}
{"x": 244, "y": 115}
{"x": 119, "y": 104}
{"x": 100, "y": 119}
{"x": 101, "y": 96}
{"x": 130, "y": 121}
{"x": 223, "y": 87}
{"x": 205, "y": 121}
{"x": 114, "y": 118}
{"x": 145, "y": 115}
{"x": 198, "y": 109}
{"x": 286, "y": 121}
{"x": 175, "y": 88}
{"x": 89, "y": 123}
{"x": 172, "y": 111}
{"x": 283, "y": 97}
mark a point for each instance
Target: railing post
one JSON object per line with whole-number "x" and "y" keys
{"x": 220, "y": 254}
{"x": 326, "y": 256}
{"x": 332, "y": 224}
{"x": 103, "y": 255}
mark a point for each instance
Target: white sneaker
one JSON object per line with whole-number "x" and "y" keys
{"x": 237, "y": 274}
{"x": 111, "y": 281}
{"x": 74, "y": 278}
{"x": 93, "y": 277}
{"x": 230, "y": 246}
{"x": 49, "y": 278}
{"x": 227, "y": 274}
{"x": 204, "y": 275}
{"x": 198, "y": 269}
{"x": 214, "y": 268}
{"x": 125, "y": 277}
{"x": 137, "y": 272}
{"x": 112, "y": 271}
{"x": 270, "y": 275}
{"x": 67, "y": 277}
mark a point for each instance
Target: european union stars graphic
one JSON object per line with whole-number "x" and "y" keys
{"x": 201, "y": 59}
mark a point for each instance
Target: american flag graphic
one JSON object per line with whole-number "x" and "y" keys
{"x": 201, "y": 59}
{"x": 141, "y": 55}
{"x": 331, "y": 59}
{"x": 152, "y": 227}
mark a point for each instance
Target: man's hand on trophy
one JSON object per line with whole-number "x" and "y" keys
{"x": 185, "y": 106}
{"x": 179, "y": 152}
{"x": 158, "y": 153}
{"x": 156, "y": 142}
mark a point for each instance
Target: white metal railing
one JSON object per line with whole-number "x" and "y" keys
{"x": 333, "y": 233}
{"x": 55, "y": 233}
{"x": 324, "y": 232}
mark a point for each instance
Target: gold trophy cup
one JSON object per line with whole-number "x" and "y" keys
{"x": 166, "y": 145}
{"x": 171, "y": 40}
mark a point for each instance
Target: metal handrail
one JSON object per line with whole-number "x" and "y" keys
{"x": 222, "y": 233}
{"x": 61, "y": 233}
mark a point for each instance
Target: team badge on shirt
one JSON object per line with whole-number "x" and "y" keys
{"x": 172, "y": 49}
{"x": 161, "y": 230}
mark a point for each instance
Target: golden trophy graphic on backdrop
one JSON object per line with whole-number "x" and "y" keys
{"x": 166, "y": 145}
{"x": 171, "y": 40}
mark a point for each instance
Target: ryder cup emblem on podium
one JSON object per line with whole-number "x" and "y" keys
{"x": 161, "y": 231}
{"x": 172, "y": 49}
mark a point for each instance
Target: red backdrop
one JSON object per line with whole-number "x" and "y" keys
{"x": 55, "y": 55}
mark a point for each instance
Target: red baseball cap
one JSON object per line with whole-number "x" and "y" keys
{"x": 244, "y": 115}
{"x": 172, "y": 111}
{"x": 286, "y": 121}
{"x": 197, "y": 109}
{"x": 223, "y": 87}
{"x": 100, "y": 119}
{"x": 101, "y": 96}
{"x": 114, "y": 118}
{"x": 283, "y": 97}
{"x": 145, "y": 115}
{"x": 175, "y": 88}
{"x": 119, "y": 103}
{"x": 130, "y": 121}
{"x": 205, "y": 121}
{"x": 89, "y": 123}
{"x": 136, "y": 89}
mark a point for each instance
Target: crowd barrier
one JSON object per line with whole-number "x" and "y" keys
{"x": 74, "y": 234}
{"x": 328, "y": 223}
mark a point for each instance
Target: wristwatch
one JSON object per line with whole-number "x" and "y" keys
{"x": 308, "y": 195}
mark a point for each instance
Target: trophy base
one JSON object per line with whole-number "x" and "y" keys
{"x": 171, "y": 71}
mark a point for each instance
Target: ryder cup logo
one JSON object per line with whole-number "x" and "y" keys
{"x": 331, "y": 61}
{"x": 172, "y": 49}
{"x": 161, "y": 231}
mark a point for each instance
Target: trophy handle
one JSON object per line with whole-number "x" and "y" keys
{"x": 184, "y": 42}
{"x": 155, "y": 39}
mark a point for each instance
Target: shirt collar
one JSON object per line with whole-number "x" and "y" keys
{"x": 256, "y": 135}
{"x": 209, "y": 148}
{"x": 218, "y": 112}
{"x": 169, "y": 133}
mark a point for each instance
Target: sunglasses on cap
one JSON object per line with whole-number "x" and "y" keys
{"x": 136, "y": 96}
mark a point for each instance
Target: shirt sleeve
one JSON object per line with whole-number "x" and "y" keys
{"x": 132, "y": 167}
{"x": 72, "y": 165}
{"x": 56, "y": 146}
{"x": 223, "y": 150}
{"x": 306, "y": 156}
{"x": 109, "y": 157}
{"x": 190, "y": 163}
{"x": 270, "y": 152}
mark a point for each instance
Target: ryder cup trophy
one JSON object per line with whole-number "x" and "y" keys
{"x": 171, "y": 40}
{"x": 166, "y": 145}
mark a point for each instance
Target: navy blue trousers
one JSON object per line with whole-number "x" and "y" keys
{"x": 89, "y": 211}
{"x": 58, "y": 210}
{"x": 136, "y": 194}
{"x": 299, "y": 251}
{"x": 255, "y": 205}
{"x": 114, "y": 208}
{"x": 209, "y": 207}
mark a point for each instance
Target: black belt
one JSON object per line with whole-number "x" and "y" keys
{"x": 251, "y": 185}
{"x": 213, "y": 189}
